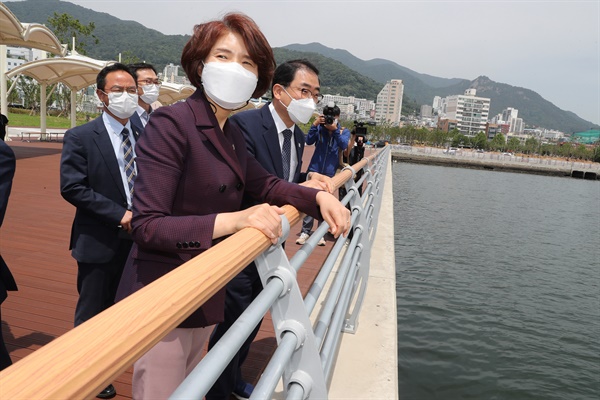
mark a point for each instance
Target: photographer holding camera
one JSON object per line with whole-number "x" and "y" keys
{"x": 329, "y": 138}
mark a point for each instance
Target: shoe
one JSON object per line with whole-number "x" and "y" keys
{"x": 321, "y": 242}
{"x": 303, "y": 238}
{"x": 107, "y": 393}
{"x": 243, "y": 390}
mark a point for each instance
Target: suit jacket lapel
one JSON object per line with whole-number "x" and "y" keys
{"x": 105, "y": 148}
{"x": 203, "y": 113}
{"x": 271, "y": 138}
{"x": 136, "y": 125}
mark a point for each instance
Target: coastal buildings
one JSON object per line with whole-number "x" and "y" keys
{"x": 470, "y": 112}
{"x": 352, "y": 108}
{"x": 171, "y": 74}
{"x": 16, "y": 56}
{"x": 389, "y": 103}
{"x": 510, "y": 117}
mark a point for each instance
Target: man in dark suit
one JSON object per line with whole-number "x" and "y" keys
{"x": 148, "y": 91}
{"x": 264, "y": 131}
{"x": 3, "y": 125}
{"x": 7, "y": 282}
{"x": 96, "y": 176}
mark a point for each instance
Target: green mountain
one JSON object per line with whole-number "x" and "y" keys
{"x": 535, "y": 110}
{"x": 340, "y": 71}
{"x": 130, "y": 38}
{"x": 336, "y": 78}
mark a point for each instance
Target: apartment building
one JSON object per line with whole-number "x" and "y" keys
{"x": 350, "y": 106}
{"x": 470, "y": 112}
{"x": 389, "y": 102}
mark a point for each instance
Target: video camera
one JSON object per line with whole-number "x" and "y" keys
{"x": 360, "y": 130}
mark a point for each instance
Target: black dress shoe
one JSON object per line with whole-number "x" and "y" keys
{"x": 107, "y": 393}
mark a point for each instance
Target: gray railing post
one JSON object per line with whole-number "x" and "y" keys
{"x": 367, "y": 213}
{"x": 290, "y": 317}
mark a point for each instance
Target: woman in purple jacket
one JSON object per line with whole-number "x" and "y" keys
{"x": 193, "y": 171}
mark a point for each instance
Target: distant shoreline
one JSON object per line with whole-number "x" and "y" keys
{"x": 497, "y": 162}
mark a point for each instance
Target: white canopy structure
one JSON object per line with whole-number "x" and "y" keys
{"x": 75, "y": 71}
{"x": 15, "y": 33}
{"x": 172, "y": 92}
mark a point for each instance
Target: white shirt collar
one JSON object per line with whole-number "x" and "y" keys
{"x": 279, "y": 124}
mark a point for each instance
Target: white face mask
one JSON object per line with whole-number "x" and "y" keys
{"x": 151, "y": 93}
{"x": 228, "y": 84}
{"x": 122, "y": 105}
{"x": 300, "y": 111}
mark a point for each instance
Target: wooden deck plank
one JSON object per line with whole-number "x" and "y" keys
{"x": 34, "y": 241}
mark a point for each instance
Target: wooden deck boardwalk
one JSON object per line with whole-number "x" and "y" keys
{"x": 34, "y": 241}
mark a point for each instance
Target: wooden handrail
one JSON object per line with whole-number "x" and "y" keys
{"x": 86, "y": 359}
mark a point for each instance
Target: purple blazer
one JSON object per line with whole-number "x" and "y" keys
{"x": 188, "y": 172}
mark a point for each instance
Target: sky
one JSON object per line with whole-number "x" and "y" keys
{"x": 551, "y": 47}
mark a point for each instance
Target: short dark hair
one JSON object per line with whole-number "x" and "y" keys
{"x": 206, "y": 35}
{"x": 332, "y": 110}
{"x": 286, "y": 72}
{"x": 101, "y": 78}
{"x": 137, "y": 66}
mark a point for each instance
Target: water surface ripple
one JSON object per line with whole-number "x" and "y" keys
{"x": 498, "y": 284}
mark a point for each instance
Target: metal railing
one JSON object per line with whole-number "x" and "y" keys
{"x": 84, "y": 360}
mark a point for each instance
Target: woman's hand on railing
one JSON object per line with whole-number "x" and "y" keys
{"x": 334, "y": 213}
{"x": 264, "y": 217}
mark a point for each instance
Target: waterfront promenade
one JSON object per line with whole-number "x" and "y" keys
{"x": 34, "y": 242}
{"x": 496, "y": 161}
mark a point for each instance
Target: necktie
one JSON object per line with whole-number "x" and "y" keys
{"x": 128, "y": 157}
{"x": 286, "y": 153}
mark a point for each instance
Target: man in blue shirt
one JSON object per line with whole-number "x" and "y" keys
{"x": 329, "y": 138}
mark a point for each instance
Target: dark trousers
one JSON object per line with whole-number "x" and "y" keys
{"x": 4, "y": 356}
{"x": 240, "y": 292}
{"x": 97, "y": 284}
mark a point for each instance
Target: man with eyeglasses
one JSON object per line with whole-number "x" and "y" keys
{"x": 275, "y": 140}
{"x": 329, "y": 138}
{"x": 96, "y": 176}
{"x": 148, "y": 91}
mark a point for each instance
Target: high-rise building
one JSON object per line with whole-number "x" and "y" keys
{"x": 389, "y": 102}
{"x": 437, "y": 104}
{"x": 171, "y": 73}
{"x": 426, "y": 111}
{"x": 509, "y": 113}
{"x": 470, "y": 112}
{"x": 516, "y": 125}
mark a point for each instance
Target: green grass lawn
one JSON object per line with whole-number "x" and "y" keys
{"x": 15, "y": 119}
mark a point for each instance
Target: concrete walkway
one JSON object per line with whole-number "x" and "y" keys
{"x": 367, "y": 364}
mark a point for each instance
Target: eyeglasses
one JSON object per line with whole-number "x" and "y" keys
{"x": 149, "y": 81}
{"x": 305, "y": 94}
{"x": 121, "y": 89}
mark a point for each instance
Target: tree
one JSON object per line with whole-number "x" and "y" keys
{"x": 513, "y": 144}
{"x": 596, "y": 156}
{"x": 498, "y": 142}
{"x": 460, "y": 140}
{"x": 531, "y": 145}
{"x": 479, "y": 141}
{"x": 127, "y": 57}
{"x": 13, "y": 96}
{"x": 31, "y": 92}
{"x": 66, "y": 27}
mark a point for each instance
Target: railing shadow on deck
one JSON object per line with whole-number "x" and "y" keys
{"x": 84, "y": 360}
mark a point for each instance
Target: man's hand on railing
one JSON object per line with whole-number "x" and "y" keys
{"x": 334, "y": 213}
{"x": 264, "y": 217}
{"x": 319, "y": 181}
